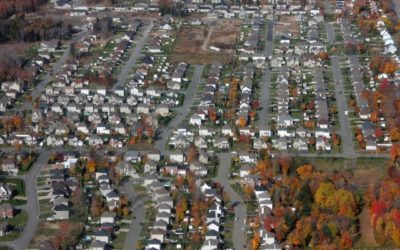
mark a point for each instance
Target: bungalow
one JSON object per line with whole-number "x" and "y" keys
{"x": 177, "y": 156}
{"x": 61, "y": 212}
{"x": 7, "y": 211}
{"x": 102, "y": 236}
{"x": 9, "y": 166}
{"x": 154, "y": 155}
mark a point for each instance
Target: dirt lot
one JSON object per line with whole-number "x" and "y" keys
{"x": 226, "y": 34}
{"x": 65, "y": 232}
{"x": 288, "y": 24}
{"x": 190, "y": 40}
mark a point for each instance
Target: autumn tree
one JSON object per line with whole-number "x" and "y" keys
{"x": 255, "y": 241}
{"x": 91, "y": 166}
{"x": 181, "y": 208}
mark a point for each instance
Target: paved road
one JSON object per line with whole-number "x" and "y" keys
{"x": 135, "y": 54}
{"x": 40, "y": 87}
{"x": 346, "y": 134}
{"x": 138, "y": 207}
{"x": 181, "y": 112}
{"x": 32, "y": 206}
{"x": 239, "y": 233}
{"x": 330, "y": 33}
{"x": 266, "y": 80}
{"x": 139, "y": 212}
{"x": 397, "y": 7}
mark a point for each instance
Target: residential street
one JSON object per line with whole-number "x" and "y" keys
{"x": 346, "y": 134}
{"x": 32, "y": 205}
{"x": 181, "y": 112}
{"x": 135, "y": 54}
{"x": 139, "y": 212}
{"x": 239, "y": 232}
{"x": 40, "y": 87}
{"x": 330, "y": 33}
{"x": 266, "y": 80}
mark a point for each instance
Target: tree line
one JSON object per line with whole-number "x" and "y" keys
{"x": 21, "y": 30}
{"x": 11, "y": 7}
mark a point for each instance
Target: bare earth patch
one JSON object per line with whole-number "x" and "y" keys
{"x": 367, "y": 238}
{"x": 189, "y": 42}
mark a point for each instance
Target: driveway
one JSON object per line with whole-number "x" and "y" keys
{"x": 239, "y": 233}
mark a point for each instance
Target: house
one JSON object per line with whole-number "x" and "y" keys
{"x": 46, "y": 245}
{"x": 177, "y": 156}
{"x": 61, "y": 212}
{"x": 222, "y": 143}
{"x": 162, "y": 110}
{"x": 280, "y": 143}
{"x": 107, "y": 217}
{"x": 150, "y": 166}
{"x": 132, "y": 156}
{"x": 210, "y": 244}
{"x": 322, "y": 144}
{"x": 6, "y": 211}
{"x": 102, "y": 236}
{"x": 3, "y": 228}
{"x": 142, "y": 109}
{"x": 97, "y": 245}
{"x": 300, "y": 144}
{"x": 154, "y": 155}
{"x": 5, "y": 192}
{"x": 158, "y": 234}
{"x": 9, "y": 166}
{"x": 203, "y": 156}
{"x": 154, "y": 244}
{"x": 195, "y": 120}
{"x": 245, "y": 170}
{"x": 50, "y": 46}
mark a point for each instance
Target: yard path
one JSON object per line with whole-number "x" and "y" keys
{"x": 367, "y": 232}
{"x": 207, "y": 40}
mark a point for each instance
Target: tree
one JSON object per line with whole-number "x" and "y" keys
{"x": 91, "y": 166}
{"x": 242, "y": 122}
{"x": 181, "y": 208}
{"x": 192, "y": 154}
{"x": 96, "y": 206}
{"x": 179, "y": 181}
{"x": 394, "y": 134}
{"x": 165, "y": 6}
{"x": 212, "y": 114}
{"x": 305, "y": 172}
{"x": 125, "y": 211}
{"x": 255, "y": 241}
{"x": 248, "y": 191}
{"x": 325, "y": 194}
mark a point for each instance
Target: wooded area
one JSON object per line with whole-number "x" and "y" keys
{"x": 11, "y": 7}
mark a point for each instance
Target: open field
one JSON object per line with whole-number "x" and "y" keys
{"x": 190, "y": 40}
{"x": 225, "y": 35}
{"x": 288, "y": 24}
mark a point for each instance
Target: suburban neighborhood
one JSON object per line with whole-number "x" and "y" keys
{"x": 270, "y": 124}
